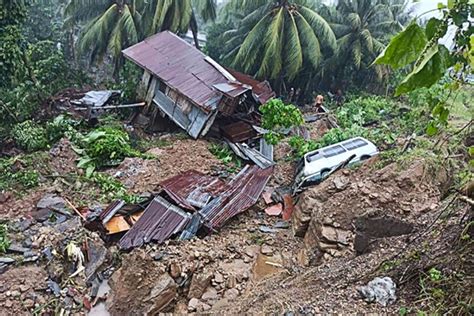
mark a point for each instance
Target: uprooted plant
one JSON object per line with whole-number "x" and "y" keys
{"x": 104, "y": 147}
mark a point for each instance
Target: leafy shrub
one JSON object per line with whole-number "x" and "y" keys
{"x": 363, "y": 111}
{"x": 60, "y": 127}
{"x": 30, "y": 136}
{"x": 13, "y": 175}
{"x": 4, "y": 241}
{"x": 113, "y": 188}
{"x": 104, "y": 147}
{"x": 278, "y": 116}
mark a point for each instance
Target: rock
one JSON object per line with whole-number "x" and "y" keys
{"x": 15, "y": 248}
{"x": 219, "y": 278}
{"x": 71, "y": 225}
{"x": 210, "y": 294}
{"x": 4, "y": 197}
{"x": 329, "y": 233}
{"x": 54, "y": 287}
{"x": 175, "y": 270}
{"x": 24, "y": 224}
{"x": 380, "y": 290}
{"x": 282, "y": 225}
{"x": 42, "y": 215}
{"x": 267, "y": 230}
{"x": 3, "y": 268}
{"x": 231, "y": 294}
{"x": 341, "y": 183}
{"x": 199, "y": 284}
{"x": 193, "y": 304}
{"x": 361, "y": 243}
{"x": 5, "y": 260}
{"x": 97, "y": 254}
{"x": 231, "y": 282}
{"x": 204, "y": 307}
{"x": 266, "y": 250}
{"x": 54, "y": 203}
{"x": 162, "y": 294}
{"x": 333, "y": 235}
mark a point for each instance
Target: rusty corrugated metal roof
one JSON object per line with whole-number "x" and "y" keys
{"x": 242, "y": 193}
{"x": 261, "y": 89}
{"x": 181, "y": 66}
{"x": 159, "y": 222}
{"x": 192, "y": 189}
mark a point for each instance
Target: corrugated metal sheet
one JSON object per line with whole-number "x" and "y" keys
{"x": 242, "y": 193}
{"x": 159, "y": 222}
{"x": 244, "y": 151}
{"x": 110, "y": 211}
{"x": 232, "y": 89}
{"x": 192, "y": 189}
{"x": 181, "y": 66}
{"x": 262, "y": 90}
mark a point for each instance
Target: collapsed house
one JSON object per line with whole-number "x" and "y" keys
{"x": 182, "y": 83}
{"x": 185, "y": 205}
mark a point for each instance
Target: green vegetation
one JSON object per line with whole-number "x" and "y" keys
{"x": 112, "y": 26}
{"x": 112, "y": 188}
{"x": 227, "y": 156}
{"x": 17, "y": 173}
{"x": 104, "y": 147}
{"x": 277, "y": 117}
{"x": 4, "y": 241}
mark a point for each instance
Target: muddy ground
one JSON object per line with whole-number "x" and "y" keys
{"x": 360, "y": 223}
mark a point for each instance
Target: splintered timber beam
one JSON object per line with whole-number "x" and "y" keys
{"x": 110, "y": 107}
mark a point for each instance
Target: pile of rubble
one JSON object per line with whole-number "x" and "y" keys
{"x": 348, "y": 212}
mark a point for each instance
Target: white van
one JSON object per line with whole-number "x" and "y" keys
{"x": 315, "y": 166}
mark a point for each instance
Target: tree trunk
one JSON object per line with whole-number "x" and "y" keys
{"x": 194, "y": 28}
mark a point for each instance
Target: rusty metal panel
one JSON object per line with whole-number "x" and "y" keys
{"x": 238, "y": 132}
{"x": 192, "y": 189}
{"x": 111, "y": 210}
{"x": 159, "y": 222}
{"x": 181, "y": 66}
{"x": 241, "y": 194}
{"x": 261, "y": 90}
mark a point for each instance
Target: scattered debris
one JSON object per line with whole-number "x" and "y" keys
{"x": 274, "y": 210}
{"x": 380, "y": 290}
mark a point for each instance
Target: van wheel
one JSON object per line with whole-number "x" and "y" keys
{"x": 324, "y": 174}
{"x": 365, "y": 157}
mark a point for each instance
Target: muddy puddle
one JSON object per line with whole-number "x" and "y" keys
{"x": 101, "y": 308}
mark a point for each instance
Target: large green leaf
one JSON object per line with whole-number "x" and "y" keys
{"x": 428, "y": 71}
{"x": 434, "y": 26}
{"x": 404, "y": 48}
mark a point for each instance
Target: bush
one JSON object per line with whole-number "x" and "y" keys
{"x": 59, "y": 127}
{"x": 30, "y": 136}
{"x": 104, "y": 147}
{"x": 278, "y": 116}
{"x": 14, "y": 175}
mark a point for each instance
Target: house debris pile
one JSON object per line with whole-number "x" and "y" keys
{"x": 200, "y": 96}
{"x": 185, "y": 204}
{"x": 89, "y": 104}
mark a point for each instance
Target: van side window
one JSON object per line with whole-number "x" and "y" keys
{"x": 314, "y": 156}
{"x": 333, "y": 151}
{"x": 353, "y": 144}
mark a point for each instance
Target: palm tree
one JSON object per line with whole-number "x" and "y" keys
{"x": 275, "y": 39}
{"x": 361, "y": 26}
{"x": 112, "y": 25}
